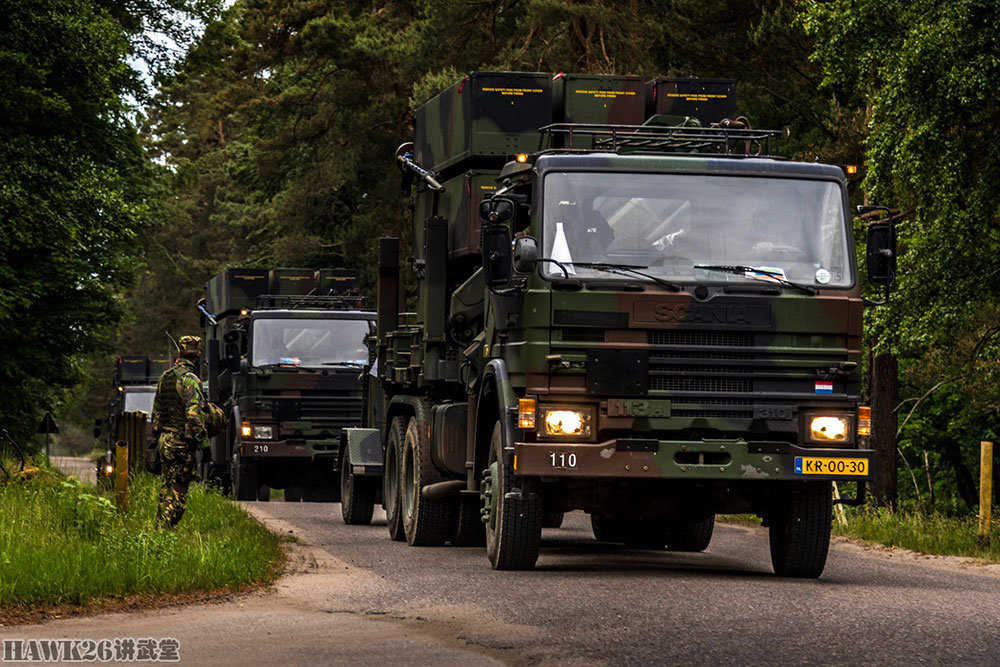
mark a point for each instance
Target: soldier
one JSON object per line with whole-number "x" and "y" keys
{"x": 180, "y": 421}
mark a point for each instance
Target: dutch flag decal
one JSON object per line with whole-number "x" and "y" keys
{"x": 824, "y": 387}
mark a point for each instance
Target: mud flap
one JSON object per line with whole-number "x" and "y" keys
{"x": 364, "y": 445}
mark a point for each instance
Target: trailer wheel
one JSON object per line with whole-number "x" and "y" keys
{"x": 607, "y": 529}
{"x": 390, "y": 479}
{"x": 469, "y": 528}
{"x": 357, "y": 494}
{"x": 244, "y": 475}
{"x": 426, "y": 522}
{"x": 513, "y": 520}
{"x": 691, "y": 536}
{"x": 800, "y": 529}
{"x": 552, "y": 519}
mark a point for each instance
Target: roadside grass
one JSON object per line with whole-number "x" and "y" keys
{"x": 925, "y": 533}
{"x": 64, "y": 543}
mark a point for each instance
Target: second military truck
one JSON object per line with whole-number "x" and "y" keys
{"x": 284, "y": 354}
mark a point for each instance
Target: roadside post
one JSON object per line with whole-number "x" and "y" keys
{"x": 48, "y": 427}
{"x": 985, "y": 490}
{"x": 121, "y": 475}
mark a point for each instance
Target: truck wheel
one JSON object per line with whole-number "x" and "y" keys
{"x": 607, "y": 529}
{"x": 800, "y": 530}
{"x": 513, "y": 522}
{"x": 390, "y": 479}
{"x": 552, "y": 519}
{"x": 244, "y": 479}
{"x": 646, "y": 533}
{"x": 427, "y": 523}
{"x": 293, "y": 494}
{"x": 357, "y": 494}
{"x": 469, "y": 528}
{"x": 264, "y": 493}
{"x": 688, "y": 536}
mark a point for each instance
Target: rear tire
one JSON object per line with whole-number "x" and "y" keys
{"x": 244, "y": 479}
{"x": 357, "y": 494}
{"x": 552, "y": 519}
{"x": 688, "y": 536}
{"x": 390, "y": 479}
{"x": 293, "y": 494}
{"x": 607, "y": 529}
{"x": 514, "y": 527}
{"x": 427, "y": 523}
{"x": 800, "y": 529}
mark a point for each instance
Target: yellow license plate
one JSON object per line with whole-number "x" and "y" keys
{"x": 814, "y": 465}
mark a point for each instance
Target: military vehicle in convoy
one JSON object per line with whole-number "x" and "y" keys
{"x": 284, "y": 350}
{"x": 627, "y": 305}
{"x": 134, "y": 381}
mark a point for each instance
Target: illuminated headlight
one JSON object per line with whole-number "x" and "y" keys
{"x": 263, "y": 432}
{"x": 108, "y": 469}
{"x": 829, "y": 429}
{"x": 565, "y": 422}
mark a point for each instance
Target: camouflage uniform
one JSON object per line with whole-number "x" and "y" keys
{"x": 180, "y": 416}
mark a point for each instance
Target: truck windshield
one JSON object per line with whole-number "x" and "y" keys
{"x": 139, "y": 400}
{"x": 308, "y": 342}
{"x": 671, "y": 223}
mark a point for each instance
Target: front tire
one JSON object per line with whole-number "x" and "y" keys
{"x": 390, "y": 479}
{"x": 514, "y": 522}
{"x": 357, "y": 494}
{"x": 799, "y": 530}
{"x": 244, "y": 474}
{"x": 427, "y": 523}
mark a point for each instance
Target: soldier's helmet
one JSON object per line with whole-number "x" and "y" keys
{"x": 189, "y": 344}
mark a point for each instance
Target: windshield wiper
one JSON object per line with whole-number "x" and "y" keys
{"x": 352, "y": 364}
{"x": 622, "y": 270}
{"x": 772, "y": 276}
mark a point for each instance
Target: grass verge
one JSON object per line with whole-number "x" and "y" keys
{"x": 63, "y": 543}
{"x": 925, "y": 533}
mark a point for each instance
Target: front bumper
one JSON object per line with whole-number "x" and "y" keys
{"x": 291, "y": 448}
{"x": 638, "y": 458}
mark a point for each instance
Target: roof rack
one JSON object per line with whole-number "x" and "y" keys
{"x": 310, "y": 301}
{"x": 727, "y": 141}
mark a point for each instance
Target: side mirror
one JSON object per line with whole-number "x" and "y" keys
{"x": 232, "y": 357}
{"x": 525, "y": 255}
{"x": 881, "y": 253}
{"x": 497, "y": 268}
{"x": 496, "y": 210}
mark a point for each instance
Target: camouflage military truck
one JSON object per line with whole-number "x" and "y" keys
{"x": 284, "y": 351}
{"x": 626, "y": 306}
{"x": 134, "y": 382}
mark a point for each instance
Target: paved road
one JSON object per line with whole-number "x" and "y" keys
{"x": 83, "y": 469}
{"x": 355, "y": 596}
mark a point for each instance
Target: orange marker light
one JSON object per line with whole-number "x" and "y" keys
{"x": 526, "y": 413}
{"x": 864, "y": 420}
{"x": 522, "y": 157}
{"x": 246, "y": 430}
{"x": 851, "y": 169}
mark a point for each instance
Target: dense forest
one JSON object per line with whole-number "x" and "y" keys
{"x": 265, "y": 132}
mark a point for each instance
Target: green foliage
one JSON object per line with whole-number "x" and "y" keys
{"x": 62, "y": 542}
{"x": 925, "y": 533}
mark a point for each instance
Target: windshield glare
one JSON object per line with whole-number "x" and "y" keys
{"x": 670, "y": 223}
{"x": 139, "y": 400}
{"x": 308, "y": 342}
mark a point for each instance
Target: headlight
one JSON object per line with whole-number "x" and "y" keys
{"x": 263, "y": 432}
{"x": 829, "y": 429}
{"x": 108, "y": 469}
{"x": 565, "y": 422}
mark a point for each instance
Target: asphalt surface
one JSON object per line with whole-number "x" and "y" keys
{"x": 82, "y": 468}
{"x": 352, "y": 596}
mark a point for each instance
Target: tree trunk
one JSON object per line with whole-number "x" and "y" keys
{"x": 966, "y": 483}
{"x": 884, "y": 392}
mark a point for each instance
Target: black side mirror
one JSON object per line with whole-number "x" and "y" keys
{"x": 496, "y": 210}
{"x": 881, "y": 253}
{"x": 497, "y": 267}
{"x": 525, "y": 255}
